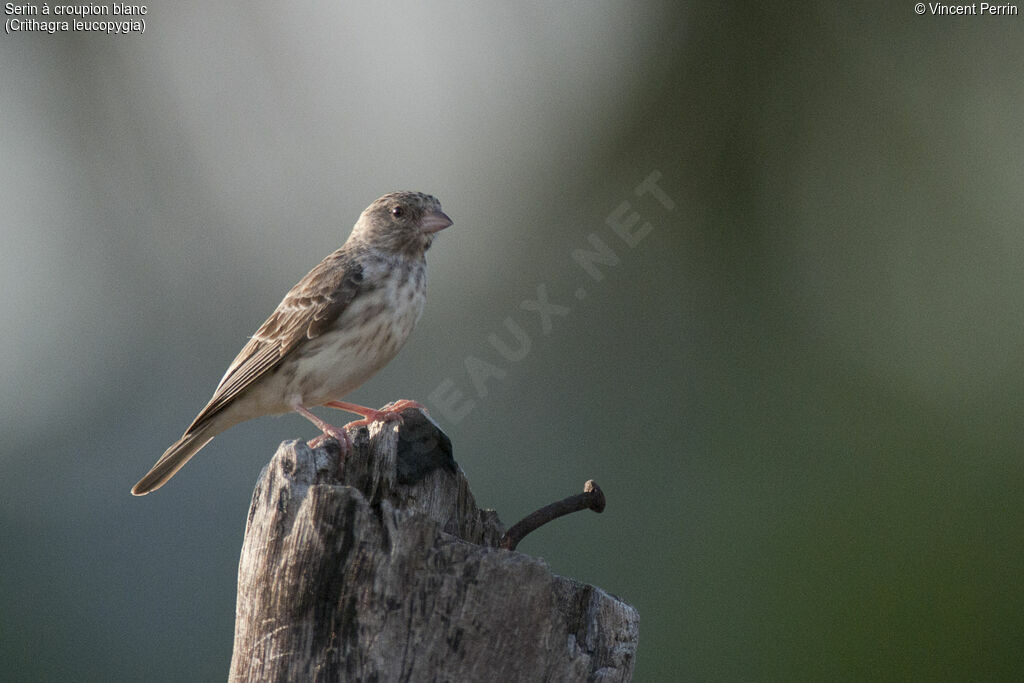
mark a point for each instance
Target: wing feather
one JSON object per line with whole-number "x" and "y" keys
{"x": 307, "y": 311}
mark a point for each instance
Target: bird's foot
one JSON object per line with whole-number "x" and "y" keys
{"x": 328, "y": 430}
{"x": 332, "y": 432}
{"x": 392, "y": 412}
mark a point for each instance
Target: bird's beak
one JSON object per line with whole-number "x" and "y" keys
{"x": 435, "y": 221}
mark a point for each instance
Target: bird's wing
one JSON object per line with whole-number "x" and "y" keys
{"x": 306, "y": 312}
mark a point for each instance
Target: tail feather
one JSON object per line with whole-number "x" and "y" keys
{"x": 172, "y": 460}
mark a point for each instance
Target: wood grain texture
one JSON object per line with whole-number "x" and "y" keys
{"x": 394, "y": 575}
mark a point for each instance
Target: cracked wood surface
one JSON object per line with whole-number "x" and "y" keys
{"x": 383, "y": 568}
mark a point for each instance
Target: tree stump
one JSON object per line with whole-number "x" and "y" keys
{"x": 380, "y": 566}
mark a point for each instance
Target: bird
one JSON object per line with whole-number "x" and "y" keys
{"x": 339, "y": 325}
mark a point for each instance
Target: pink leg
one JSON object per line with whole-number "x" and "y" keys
{"x": 392, "y": 412}
{"x": 327, "y": 428}
{"x": 351, "y": 408}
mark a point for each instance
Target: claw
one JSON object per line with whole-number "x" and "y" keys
{"x": 340, "y": 435}
{"x": 328, "y": 430}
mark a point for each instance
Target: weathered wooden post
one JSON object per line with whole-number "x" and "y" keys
{"x": 382, "y": 568}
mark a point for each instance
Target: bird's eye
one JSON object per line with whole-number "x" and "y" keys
{"x": 397, "y": 211}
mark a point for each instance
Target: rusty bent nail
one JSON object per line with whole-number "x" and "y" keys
{"x": 592, "y": 498}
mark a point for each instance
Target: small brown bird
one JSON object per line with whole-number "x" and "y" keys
{"x": 338, "y": 326}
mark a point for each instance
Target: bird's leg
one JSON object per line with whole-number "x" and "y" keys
{"x": 352, "y": 408}
{"x": 327, "y": 428}
{"x": 392, "y": 412}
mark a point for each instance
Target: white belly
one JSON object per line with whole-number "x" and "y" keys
{"x": 366, "y": 336}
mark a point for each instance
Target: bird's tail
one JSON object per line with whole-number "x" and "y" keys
{"x": 173, "y": 459}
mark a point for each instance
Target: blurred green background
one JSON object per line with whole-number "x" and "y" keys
{"x": 801, "y": 390}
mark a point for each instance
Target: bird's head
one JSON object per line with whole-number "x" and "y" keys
{"x": 401, "y": 222}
